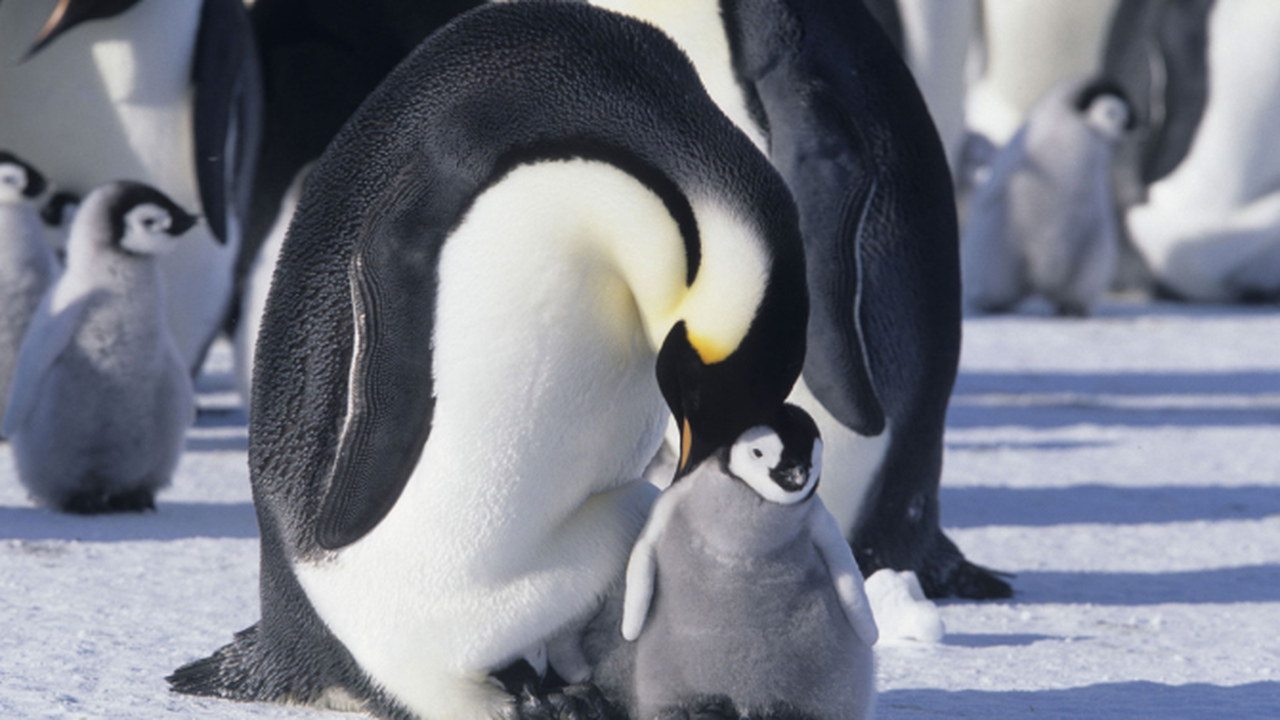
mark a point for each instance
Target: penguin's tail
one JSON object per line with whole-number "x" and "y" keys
{"x": 229, "y": 673}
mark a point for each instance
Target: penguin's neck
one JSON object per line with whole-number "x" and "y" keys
{"x": 22, "y": 239}
{"x": 92, "y": 265}
{"x": 605, "y": 220}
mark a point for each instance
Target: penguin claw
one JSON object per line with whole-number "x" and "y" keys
{"x": 572, "y": 702}
{"x": 95, "y": 503}
{"x": 709, "y": 708}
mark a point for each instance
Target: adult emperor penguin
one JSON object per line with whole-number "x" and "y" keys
{"x": 101, "y": 400}
{"x": 159, "y": 91}
{"x": 454, "y": 393}
{"x": 27, "y": 263}
{"x": 742, "y": 587}
{"x": 1208, "y": 224}
{"x": 820, "y": 88}
{"x": 1045, "y": 220}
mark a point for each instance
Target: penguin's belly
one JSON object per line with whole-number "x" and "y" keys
{"x": 851, "y": 464}
{"x": 527, "y": 498}
{"x": 763, "y": 632}
{"x": 112, "y": 99}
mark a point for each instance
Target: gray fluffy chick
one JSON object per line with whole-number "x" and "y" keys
{"x": 27, "y": 264}
{"x": 101, "y": 399}
{"x": 1045, "y": 219}
{"x": 743, "y": 597}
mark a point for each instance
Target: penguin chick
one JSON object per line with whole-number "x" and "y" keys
{"x": 101, "y": 398}
{"x": 1045, "y": 220}
{"x": 27, "y": 264}
{"x": 742, "y": 588}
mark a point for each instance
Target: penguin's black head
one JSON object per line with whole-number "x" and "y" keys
{"x": 18, "y": 179}
{"x": 142, "y": 220}
{"x": 714, "y": 402}
{"x": 781, "y": 459}
{"x": 1106, "y": 107}
{"x": 69, "y": 13}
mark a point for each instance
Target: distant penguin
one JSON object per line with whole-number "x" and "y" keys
{"x": 1208, "y": 224}
{"x": 742, "y": 588}
{"x": 320, "y": 60}
{"x": 1045, "y": 221}
{"x": 101, "y": 399}
{"x": 163, "y": 92}
{"x": 819, "y": 87}
{"x": 27, "y": 264}
{"x": 531, "y": 245}
{"x": 253, "y": 301}
{"x": 1027, "y": 49}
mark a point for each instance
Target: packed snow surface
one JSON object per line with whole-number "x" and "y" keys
{"x": 1126, "y": 469}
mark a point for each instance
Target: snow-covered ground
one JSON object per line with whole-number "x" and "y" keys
{"x": 1126, "y": 468}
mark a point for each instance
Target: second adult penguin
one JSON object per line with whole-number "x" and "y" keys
{"x": 101, "y": 399}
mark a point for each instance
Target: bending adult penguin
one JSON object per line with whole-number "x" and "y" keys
{"x": 820, "y": 87}
{"x": 1045, "y": 219}
{"x": 27, "y": 263}
{"x": 163, "y": 92}
{"x": 101, "y": 400}
{"x": 454, "y": 392}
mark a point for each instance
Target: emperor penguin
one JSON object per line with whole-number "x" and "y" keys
{"x": 742, "y": 588}
{"x": 1045, "y": 220}
{"x": 534, "y": 242}
{"x": 1206, "y": 218}
{"x": 27, "y": 263}
{"x": 163, "y": 92}
{"x": 822, "y": 91}
{"x": 101, "y": 398}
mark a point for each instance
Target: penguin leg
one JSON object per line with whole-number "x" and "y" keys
{"x": 96, "y": 502}
{"x": 900, "y": 527}
{"x": 136, "y": 500}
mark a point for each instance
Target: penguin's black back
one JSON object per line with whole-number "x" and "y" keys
{"x": 499, "y": 86}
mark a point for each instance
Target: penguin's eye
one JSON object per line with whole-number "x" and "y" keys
{"x": 757, "y": 452}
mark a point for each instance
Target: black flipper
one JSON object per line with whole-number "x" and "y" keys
{"x": 228, "y": 109}
{"x": 391, "y": 401}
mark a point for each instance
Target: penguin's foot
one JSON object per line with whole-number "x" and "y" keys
{"x": 550, "y": 698}
{"x": 572, "y": 702}
{"x": 716, "y": 707}
{"x": 91, "y": 502}
{"x": 939, "y": 565}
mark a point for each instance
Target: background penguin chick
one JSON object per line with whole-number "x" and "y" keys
{"x": 742, "y": 589}
{"x": 27, "y": 265}
{"x": 101, "y": 398}
{"x": 1045, "y": 220}
{"x": 58, "y": 213}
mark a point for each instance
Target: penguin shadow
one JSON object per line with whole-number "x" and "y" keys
{"x": 1054, "y": 400}
{"x": 170, "y": 521}
{"x": 988, "y": 640}
{"x": 970, "y": 507}
{"x": 1247, "y": 584}
{"x": 1196, "y": 701}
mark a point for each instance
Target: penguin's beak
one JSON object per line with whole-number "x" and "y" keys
{"x": 69, "y": 13}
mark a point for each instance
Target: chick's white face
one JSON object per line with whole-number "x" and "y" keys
{"x": 757, "y": 459}
{"x": 13, "y": 180}
{"x": 1108, "y": 115}
{"x": 146, "y": 230}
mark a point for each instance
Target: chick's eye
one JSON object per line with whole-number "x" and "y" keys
{"x": 756, "y": 452}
